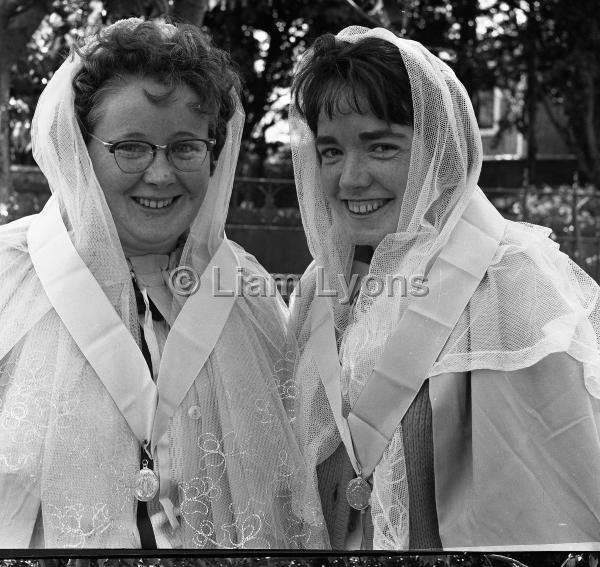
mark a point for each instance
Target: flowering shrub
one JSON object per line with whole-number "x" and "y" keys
{"x": 553, "y": 207}
{"x": 578, "y": 235}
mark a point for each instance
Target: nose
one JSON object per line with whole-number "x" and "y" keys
{"x": 355, "y": 173}
{"x": 161, "y": 171}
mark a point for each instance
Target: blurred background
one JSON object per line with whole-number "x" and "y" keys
{"x": 532, "y": 68}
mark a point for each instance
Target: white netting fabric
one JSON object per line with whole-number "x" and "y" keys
{"x": 532, "y": 302}
{"x": 238, "y": 475}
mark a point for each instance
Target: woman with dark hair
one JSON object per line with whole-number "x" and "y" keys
{"x": 141, "y": 404}
{"x": 449, "y": 366}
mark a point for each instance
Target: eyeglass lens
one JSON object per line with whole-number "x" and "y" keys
{"x": 135, "y": 157}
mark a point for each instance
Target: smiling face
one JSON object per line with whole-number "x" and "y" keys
{"x": 152, "y": 209}
{"x": 364, "y": 170}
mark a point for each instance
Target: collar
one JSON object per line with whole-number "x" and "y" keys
{"x": 152, "y": 272}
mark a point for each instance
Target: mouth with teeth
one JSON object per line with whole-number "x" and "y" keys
{"x": 148, "y": 203}
{"x": 365, "y": 207}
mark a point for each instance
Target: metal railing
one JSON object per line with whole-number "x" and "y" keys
{"x": 271, "y": 202}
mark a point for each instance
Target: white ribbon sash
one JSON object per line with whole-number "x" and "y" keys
{"x": 189, "y": 344}
{"x": 323, "y": 345}
{"x": 110, "y": 348}
{"x": 416, "y": 342}
{"x": 92, "y": 321}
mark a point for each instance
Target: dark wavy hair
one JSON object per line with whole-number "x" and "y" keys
{"x": 368, "y": 75}
{"x": 173, "y": 55}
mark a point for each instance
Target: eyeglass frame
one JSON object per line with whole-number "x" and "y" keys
{"x": 210, "y": 144}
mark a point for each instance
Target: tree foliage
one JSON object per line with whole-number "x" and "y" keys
{"x": 572, "y": 80}
{"x": 547, "y": 53}
{"x": 18, "y": 20}
{"x": 544, "y": 53}
{"x": 265, "y": 39}
{"x": 35, "y": 36}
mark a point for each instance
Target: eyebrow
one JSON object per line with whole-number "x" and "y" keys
{"x": 365, "y": 136}
{"x": 130, "y": 136}
{"x": 141, "y": 136}
{"x": 326, "y": 140}
{"x": 185, "y": 133}
{"x": 383, "y": 133}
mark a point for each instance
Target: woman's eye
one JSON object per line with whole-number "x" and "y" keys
{"x": 188, "y": 150}
{"x": 132, "y": 150}
{"x": 329, "y": 153}
{"x": 133, "y": 147}
{"x": 384, "y": 150}
{"x": 185, "y": 147}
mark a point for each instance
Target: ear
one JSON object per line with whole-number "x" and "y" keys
{"x": 213, "y": 164}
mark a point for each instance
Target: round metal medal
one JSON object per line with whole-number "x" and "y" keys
{"x": 358, "y": 493}
{"x": 146, "y": 483}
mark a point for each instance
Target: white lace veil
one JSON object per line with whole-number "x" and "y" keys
{"x": 532, "y": 302}
{"x": 66, "y": 164}
{"x": 238, "y": 473}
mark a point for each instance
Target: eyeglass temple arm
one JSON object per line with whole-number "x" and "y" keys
{"x": 210, "y": 143}
{"x": 105, "y": 144}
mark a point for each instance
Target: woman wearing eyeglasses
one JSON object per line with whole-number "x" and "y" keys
{"x": 139, "y": 408}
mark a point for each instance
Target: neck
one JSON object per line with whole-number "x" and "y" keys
{"x": 166, "y": 249}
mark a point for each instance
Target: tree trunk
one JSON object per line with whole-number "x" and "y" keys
{"x": 467, "y": 66}
{"x": 396, "y": 15}
{"x": 190, "y": 11}
{"x": 532, "y": 94}
{"x": 5, "y": 179}
{"x": 18, "y": 20}
{"x": 588, "y": 111}
{"x": 381, "y": 22}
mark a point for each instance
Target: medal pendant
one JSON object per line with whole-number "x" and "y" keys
{"x": 146, "y": 483}
{"x": 358, "y": 493}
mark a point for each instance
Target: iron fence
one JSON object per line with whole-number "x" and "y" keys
{"x": 572, "y": 211}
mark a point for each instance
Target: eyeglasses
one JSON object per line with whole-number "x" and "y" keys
{"x": 134, "y": 156}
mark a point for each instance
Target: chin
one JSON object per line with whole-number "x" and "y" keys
{"x": 142, "y": 246}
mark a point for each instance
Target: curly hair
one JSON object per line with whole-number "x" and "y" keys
{"x": 368, "y": 75}
{"x": 172, "y": 54}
